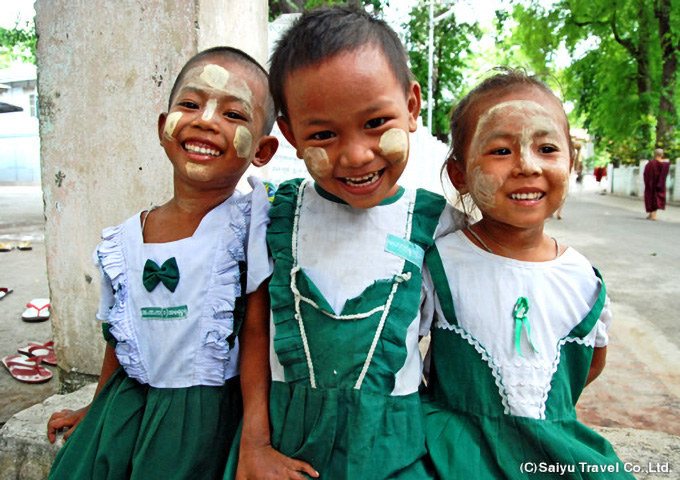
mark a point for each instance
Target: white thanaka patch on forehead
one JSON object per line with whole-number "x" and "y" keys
{"x": 316, "y": 159}
{"x": 215, "y": 76}
{"x": 483, "y": 188}
{"x": 217, "y": 81}
{"x": 210, "y": 107}
{"x": 243, "y": 142}
{"x": 170, "y": 124}
{"x": 394, "y": 145}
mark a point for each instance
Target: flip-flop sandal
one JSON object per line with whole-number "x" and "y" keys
{"x": 25, "y": 246}
{"x": 43, "y": 350}
{"x": 4, "y": 291}
{"x": 38, "y": 310}
{"x": 6, "y": 247}
{"x": 26, "y": 370}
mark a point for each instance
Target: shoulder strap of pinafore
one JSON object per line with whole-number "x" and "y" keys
{"x": 588, "y": 323}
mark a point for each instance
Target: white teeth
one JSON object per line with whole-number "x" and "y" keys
{"x": 362, "y": 181}
{"x": 526, "y": 196}
{"x": 201, "y": 150}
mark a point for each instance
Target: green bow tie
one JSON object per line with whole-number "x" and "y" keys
{"x": 168, "y": 274}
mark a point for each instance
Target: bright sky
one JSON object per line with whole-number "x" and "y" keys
{"x": 11, "y": 10}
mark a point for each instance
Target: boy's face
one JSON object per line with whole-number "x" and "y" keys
{"x": 518, "y": 157}
{"x": 349, "y": 119}
{"x": 213, "y": 129}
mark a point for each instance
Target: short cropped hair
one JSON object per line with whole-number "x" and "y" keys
{"x": 325, "y": 32}
{"x": 231, "y": 54}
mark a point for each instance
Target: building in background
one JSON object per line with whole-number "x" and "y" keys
{"x": 19, "y": 139}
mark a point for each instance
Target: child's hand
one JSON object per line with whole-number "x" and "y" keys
{"x": 264, "y": 463}
{"x": 63, "y": 419}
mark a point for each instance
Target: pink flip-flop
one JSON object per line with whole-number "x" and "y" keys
{"x": 26, "y": 370}
{"x": 43, "y": 350}
{"x": 38, "y": 310}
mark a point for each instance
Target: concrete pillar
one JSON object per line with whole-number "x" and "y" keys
{"x": 105, "y": 70}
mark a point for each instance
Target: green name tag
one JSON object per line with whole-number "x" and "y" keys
{"x": 405, "y": 249}
{"x": 171, "y": 313}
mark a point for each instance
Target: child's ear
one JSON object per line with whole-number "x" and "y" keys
{"x": 162, "y": 118}
{"x": 414, "y": 103}
{"x": 287, "y": 132}
{"x": 457, "y": 177}
{"x": 266, "y": 148}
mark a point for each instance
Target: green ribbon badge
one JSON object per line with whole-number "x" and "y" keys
{"x": 168, "y": 273}
{"x": 520, "y": 316}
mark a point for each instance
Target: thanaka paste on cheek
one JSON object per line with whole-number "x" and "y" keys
{"x": 170, "y": 124}
{"x": 317, "y": 162}
{"x": 243, "y": 142}
{"x": 483, "y": 188}
{"x": 198, "y": 171}
{"x": 394, "y": 145}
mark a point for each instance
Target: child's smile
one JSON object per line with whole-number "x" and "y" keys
{"x": 349, "y": 121}
{"x": 208, "y": 133}
{"x": 518, "y": 160}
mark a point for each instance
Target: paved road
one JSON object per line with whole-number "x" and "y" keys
{"x": 640, "y": 262}
{"x": 638, "y": 258}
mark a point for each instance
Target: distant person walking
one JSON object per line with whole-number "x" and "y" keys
{"x": 655, "y": 175}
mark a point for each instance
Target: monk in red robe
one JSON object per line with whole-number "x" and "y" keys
{"x": 654, "y": 176}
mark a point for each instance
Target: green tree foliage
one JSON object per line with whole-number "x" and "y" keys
{"x": 452, "y": 57}
{"x": 18, "y": 43}
{"x": 279, "y": 7}
{"x": 623, "y": 76}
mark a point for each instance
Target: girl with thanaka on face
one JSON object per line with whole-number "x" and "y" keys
{"x": 520, "y": 324}
{"x": 348, "y": 249}
{"x": 175, "y": 288}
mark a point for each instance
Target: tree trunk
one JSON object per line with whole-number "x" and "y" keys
{"x": 668, "y": 115}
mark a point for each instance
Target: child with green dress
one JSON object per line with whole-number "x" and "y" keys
{"x": 348, "y": 249}
{"x": 175, "y": 289}
{"x": 520, "y": 325}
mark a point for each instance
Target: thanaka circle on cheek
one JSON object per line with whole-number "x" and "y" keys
{"x": 317, "y": 162}
{"x": 243, "y": 142}
{"x": 394, "y": 145}
{"x": 170, "y": 124}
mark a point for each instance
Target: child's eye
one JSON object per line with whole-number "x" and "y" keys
{"x": 500, "y": 151}
{"x": 547, "y": 149}
{"x": 235, "y": 115}
{"x": 376, "y": 122}
{"x": 325, "y": 135}
{"x": 187, "y": 104}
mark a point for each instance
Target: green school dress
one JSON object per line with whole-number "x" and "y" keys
{"x": 506, "y": 373}
{"x": 344, "y": 394}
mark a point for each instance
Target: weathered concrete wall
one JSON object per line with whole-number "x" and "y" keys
{"x": 105, "y": 70}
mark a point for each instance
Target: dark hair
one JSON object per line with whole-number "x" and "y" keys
{"x": 505, "y": 80}
{"x": 326, "y": 31}
{"x": 233, "y": 55}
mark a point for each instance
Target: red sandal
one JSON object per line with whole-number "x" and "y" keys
{"x": 43, "y": 350}
{"x": 38, "y": 310}
{"x": 27, "y": 370}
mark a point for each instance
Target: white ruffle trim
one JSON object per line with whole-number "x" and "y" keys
{"x": 112, "y": 261}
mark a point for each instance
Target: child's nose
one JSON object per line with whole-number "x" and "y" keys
{"x": 528, "y": 163}
{"x": 356, "y": 154}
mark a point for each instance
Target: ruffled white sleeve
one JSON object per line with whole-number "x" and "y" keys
{"x": 426, "y": 302}
{"x": 260, "y": 264}
{"x": 106, "y": 299}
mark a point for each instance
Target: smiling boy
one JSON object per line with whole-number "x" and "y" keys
{"x": 348, "y": 248}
